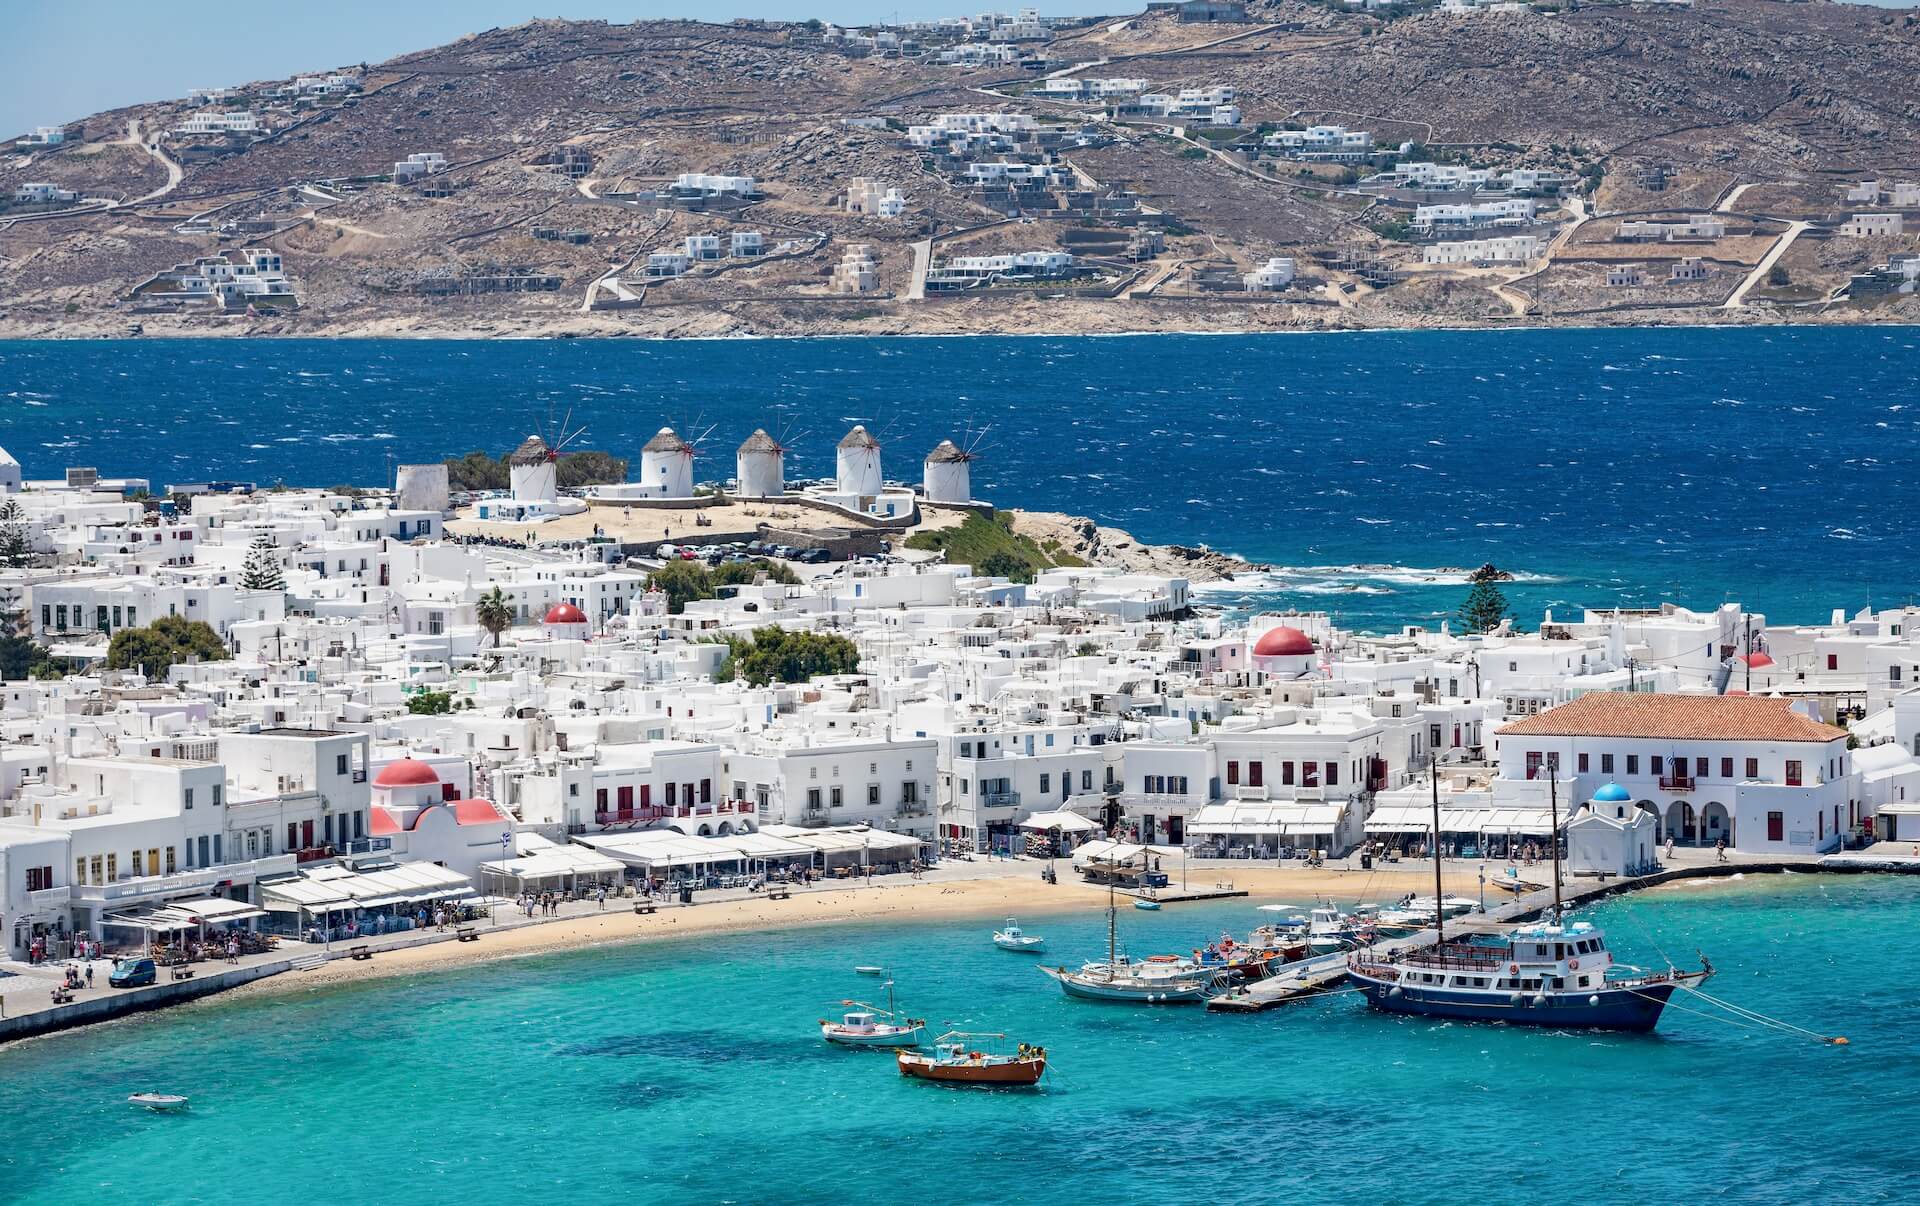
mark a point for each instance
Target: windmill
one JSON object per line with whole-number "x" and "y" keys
{"x": 947, "y": 476}
{"x": 533, "y": 469}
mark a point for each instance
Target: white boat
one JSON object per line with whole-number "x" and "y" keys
{"x": 158, "y": 1101}
{"x": 867, "y": 969}
{"x": 866, "y": 1025}
{"x": 1012, "y": 938}
{"x": 1329, "y": 930}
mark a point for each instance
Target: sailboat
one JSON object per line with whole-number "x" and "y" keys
{"x": 1163, "y": 979}
{"x": 1550, "y": 973}
{"x": 861, "y": 1025}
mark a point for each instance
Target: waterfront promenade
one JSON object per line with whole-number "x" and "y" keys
{"x": 982, "y": 887}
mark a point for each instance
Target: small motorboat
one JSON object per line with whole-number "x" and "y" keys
{"x": 867, "y": 969}
{"x": 1012, "y": 938}
{"x": 1150, "y": 906}
{"x": 162, "y": 1102}
{"x": 964, "y": 1059}
{"x": 865, "y": 1025}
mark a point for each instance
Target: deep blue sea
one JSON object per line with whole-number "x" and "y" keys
{"x": 693, "y": 1073}
{"x": 1606, "y": 467}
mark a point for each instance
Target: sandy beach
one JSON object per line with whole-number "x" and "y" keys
{"x": 1018, "y": 892}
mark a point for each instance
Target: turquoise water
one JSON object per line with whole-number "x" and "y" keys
{"x": 694, "y": 1073}
{"x": 1608, "y": 467}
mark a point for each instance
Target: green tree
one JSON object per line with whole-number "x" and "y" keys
{"x": 262, "y": 569}
{"x": 20, "y": 656}
{"x": 156, "y": 648}
{"x": 430, "y": 703}
{"x": 477, "y": 471}
{"x": 14, "y": 549}
{"x": 1778, "y": 277}
{"x": 1005, "y": 565}
{"x": 590, "y": 469}
{"x": 1088, "y": 649}
{"x": 740, "y": 573}
{"x": 1486, "y": 606}
{"x": 495, "y": 613}
{"x": 682, "y": 582}
{"x": 776, "y": 655}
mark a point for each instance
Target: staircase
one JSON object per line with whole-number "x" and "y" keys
{"x": 307, "y": 963}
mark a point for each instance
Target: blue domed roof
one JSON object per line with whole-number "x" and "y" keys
{"x": 1612, "y": 793}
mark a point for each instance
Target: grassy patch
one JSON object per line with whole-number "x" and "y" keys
{"x": 991, "y": 546}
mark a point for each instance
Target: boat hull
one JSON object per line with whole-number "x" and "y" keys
{"x": 1019, "y": 1072}
{"x": 1178, "y": 992}
{"x": 1019, "y": 947}
{"x": 1636, "y": 1008}
{"x": 885, "y": 1038}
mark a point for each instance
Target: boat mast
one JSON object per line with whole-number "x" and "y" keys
{"x": 1439, "y": 924}
{"x": 1113, "y": 933}
{"x": 1553, "y": 834}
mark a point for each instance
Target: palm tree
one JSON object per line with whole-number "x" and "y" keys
{"x": 495, "y": 614}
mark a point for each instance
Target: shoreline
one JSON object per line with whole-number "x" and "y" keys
{"x": 465, "y": 333}
{"x": 1019, "y": 893}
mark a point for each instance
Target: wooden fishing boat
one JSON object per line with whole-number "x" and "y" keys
{"x": 1149, "y": 905}
{"x": 960, "y": 1058}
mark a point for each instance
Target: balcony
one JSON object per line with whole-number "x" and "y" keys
{"x": 1676, "y": 783}
{"x": 313, "y": 854}
{"x": 999, "y": 799}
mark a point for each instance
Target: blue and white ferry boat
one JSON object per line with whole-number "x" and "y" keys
{"x": 1550, "y": 973}
{"x": 1547, "y": 974}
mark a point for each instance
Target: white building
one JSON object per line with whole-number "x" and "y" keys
{"x": 1746, "y": 770}
{"x": 1274, "y": 275}
{"x": 418, "y": 165}
{"x": 1872, "y": 226}
{"x": 40, "y": 192}
{"x": 701, "y": 184}
{"x": 1512, "y": 249}
{"x": 875, "y": 199}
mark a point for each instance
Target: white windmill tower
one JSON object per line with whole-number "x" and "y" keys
{"x": 857, "y": 463}
{"x": 666, "y": 465}
{"x": 947, "y": 476}
{"x": 533, "y": 469}
{"x": 760, "y": 467}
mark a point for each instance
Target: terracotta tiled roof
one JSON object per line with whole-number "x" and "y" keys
{"x": 1679, "y": 717}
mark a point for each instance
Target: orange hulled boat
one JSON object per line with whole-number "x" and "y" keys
{"x": 972, "y": 1059}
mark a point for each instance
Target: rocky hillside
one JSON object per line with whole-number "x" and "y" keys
{"x": 562, "y": 141}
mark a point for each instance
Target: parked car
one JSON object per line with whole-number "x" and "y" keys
{"x": 134, "y": 973}
{"x": 816, "y": 557}
{"x": 667, "y": 551}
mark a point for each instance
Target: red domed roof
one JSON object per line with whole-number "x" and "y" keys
{"x": 565, "y": 613}
{"x": 1756, "y": 659}
{"x": 405, "y": 773}
{"x": 1283, "y": 642}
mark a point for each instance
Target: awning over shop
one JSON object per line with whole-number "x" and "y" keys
{"x": 856, "y": 840}
{"x": 154, "y": 922}
{"x": 214, "y": 910}
{"x": 1412, "y": 818}
{"x": 555, "y": 863}
{"x": 1266, "y": 820}
{"x": 1118, "y": 853}
{"x": 1065, "y": 822}
{"x": 332, "y": 888}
